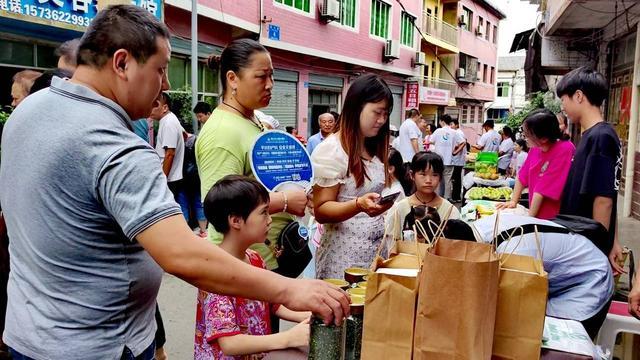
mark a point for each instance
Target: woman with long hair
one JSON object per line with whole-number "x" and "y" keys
{"x": 350, "y": 173}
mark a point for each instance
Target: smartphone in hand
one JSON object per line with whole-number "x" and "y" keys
{"x": 383, "y": 200}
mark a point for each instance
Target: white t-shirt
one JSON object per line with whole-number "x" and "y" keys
{"x": 580, "y": 277}
{"x": 460, "y": 158}
{"x": 520, "y": 159}
{"x": 490, "y": 141}
{"x": 170, "y": 137}
{"x": 408, "y": 131}
{"x": 445, "y": 139}
{"x": 506, "y": 146}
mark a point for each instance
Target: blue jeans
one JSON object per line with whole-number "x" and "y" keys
{"x": 189, "y": 199}
{"x": 148, "y": 354}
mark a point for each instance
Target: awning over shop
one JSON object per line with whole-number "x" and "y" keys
{"x": 521, "y": 41}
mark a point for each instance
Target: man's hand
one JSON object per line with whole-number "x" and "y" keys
{"x": 614, "y": 256}
{"x": 319, "y": 297}
{"x": 634, "y": 300}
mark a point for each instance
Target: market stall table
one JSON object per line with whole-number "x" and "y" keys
{"x": 297, "y": 354}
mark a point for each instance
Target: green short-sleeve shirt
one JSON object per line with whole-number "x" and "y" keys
{"x": 223, "y": 148}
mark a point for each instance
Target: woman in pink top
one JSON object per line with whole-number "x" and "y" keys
{"x": 546, "y": 168}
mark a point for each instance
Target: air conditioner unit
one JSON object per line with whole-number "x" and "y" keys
{"x": 392, "y": 50}
{"x": 479, "y": 31}
{"x": 420, "y": 59}
{"x": 462, "y": 20}
{"x": 460, "y": 73}
{"x": 330, "y": 10}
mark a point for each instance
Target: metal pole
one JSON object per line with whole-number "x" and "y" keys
{"x": 194, "y": 62}
{"x": 633, "y": 132}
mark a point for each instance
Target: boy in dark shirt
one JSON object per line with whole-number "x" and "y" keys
{"x": 592, "y": 187}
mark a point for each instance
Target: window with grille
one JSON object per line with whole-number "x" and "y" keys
{"x": 465, "y": 113}
{"x": 407, "y": 29}
{"x": 180, "y": 76}
{"x": 379, "y": 26}
{"x": 468, "y": 14}
{"x": 486, "y": 33}
{"x": 503, "y": 89}
{"x": 303, "y": 5}
{"x": 348, "y": 11}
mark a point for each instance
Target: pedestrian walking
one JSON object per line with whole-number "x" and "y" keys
{"x": 170, "y": 147}
{"x": 93, "y": 227}
{"x": 445, "y": 141}
{"x": 458, "y": 161}
{"x": 410, "y": 136}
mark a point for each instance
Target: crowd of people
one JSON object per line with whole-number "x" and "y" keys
{"x": 92, "y": 228}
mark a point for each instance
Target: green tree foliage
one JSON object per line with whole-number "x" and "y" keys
{"x": 538, "y": 100}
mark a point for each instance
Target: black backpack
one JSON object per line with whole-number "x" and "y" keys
{"x": 589, "y": 228}
{"x": 189, "y": 167}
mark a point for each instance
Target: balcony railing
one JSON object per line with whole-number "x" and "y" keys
{"x": 439, "y": 29}
{"x": 439, "y": 84}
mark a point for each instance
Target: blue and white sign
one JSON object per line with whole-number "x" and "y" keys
{"x": 278, "y": 159}
{"x": 274, "y": 32}
{"x": 66, "y": 14}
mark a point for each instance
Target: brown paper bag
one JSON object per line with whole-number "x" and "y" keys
{"x": 522, "y": 303}
{"x": 457, "y": 299}
{"x": 390, "y": 303}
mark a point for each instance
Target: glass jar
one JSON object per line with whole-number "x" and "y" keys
{"x": 326, "y": 342}
{"x": 354, "y": 325}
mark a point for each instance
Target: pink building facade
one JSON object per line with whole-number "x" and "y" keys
{"x": 476, "y": 64}
{"x": 315, "y": 59}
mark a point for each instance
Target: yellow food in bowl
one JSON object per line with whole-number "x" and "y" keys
{"x": 338, "y": 282}
{"x": 357, "y": 271}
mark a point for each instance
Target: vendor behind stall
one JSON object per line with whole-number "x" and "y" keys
{"x": 580, "y": 277}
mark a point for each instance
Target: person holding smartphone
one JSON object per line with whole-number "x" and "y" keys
{"x": 351, "y": 171}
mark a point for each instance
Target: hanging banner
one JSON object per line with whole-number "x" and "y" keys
{"x": 279, "y": 160}
{"x": 67, "y": 14}
{"x": 413, "y": 90}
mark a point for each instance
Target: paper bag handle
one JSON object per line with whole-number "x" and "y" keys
{"x": 394, "y": 230}
{"x": 442, "y": 226}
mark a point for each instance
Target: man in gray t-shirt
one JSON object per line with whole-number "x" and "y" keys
{"x": 90, "y": 217}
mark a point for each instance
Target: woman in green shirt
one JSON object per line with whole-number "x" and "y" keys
{"x": 224, "y": 144}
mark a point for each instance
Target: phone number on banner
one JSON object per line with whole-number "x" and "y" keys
{"x": 56, "y": 15}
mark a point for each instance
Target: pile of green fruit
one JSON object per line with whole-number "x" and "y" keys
{"x": 486, "y": 170}
{"x": 479, "y": 193}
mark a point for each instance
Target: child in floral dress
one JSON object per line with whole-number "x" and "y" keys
{"x": 229, "y": 327}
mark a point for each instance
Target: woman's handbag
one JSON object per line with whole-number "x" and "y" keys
{"x": 292, "y": 250}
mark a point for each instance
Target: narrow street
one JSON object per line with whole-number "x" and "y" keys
{"x": 177, "y": 299}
